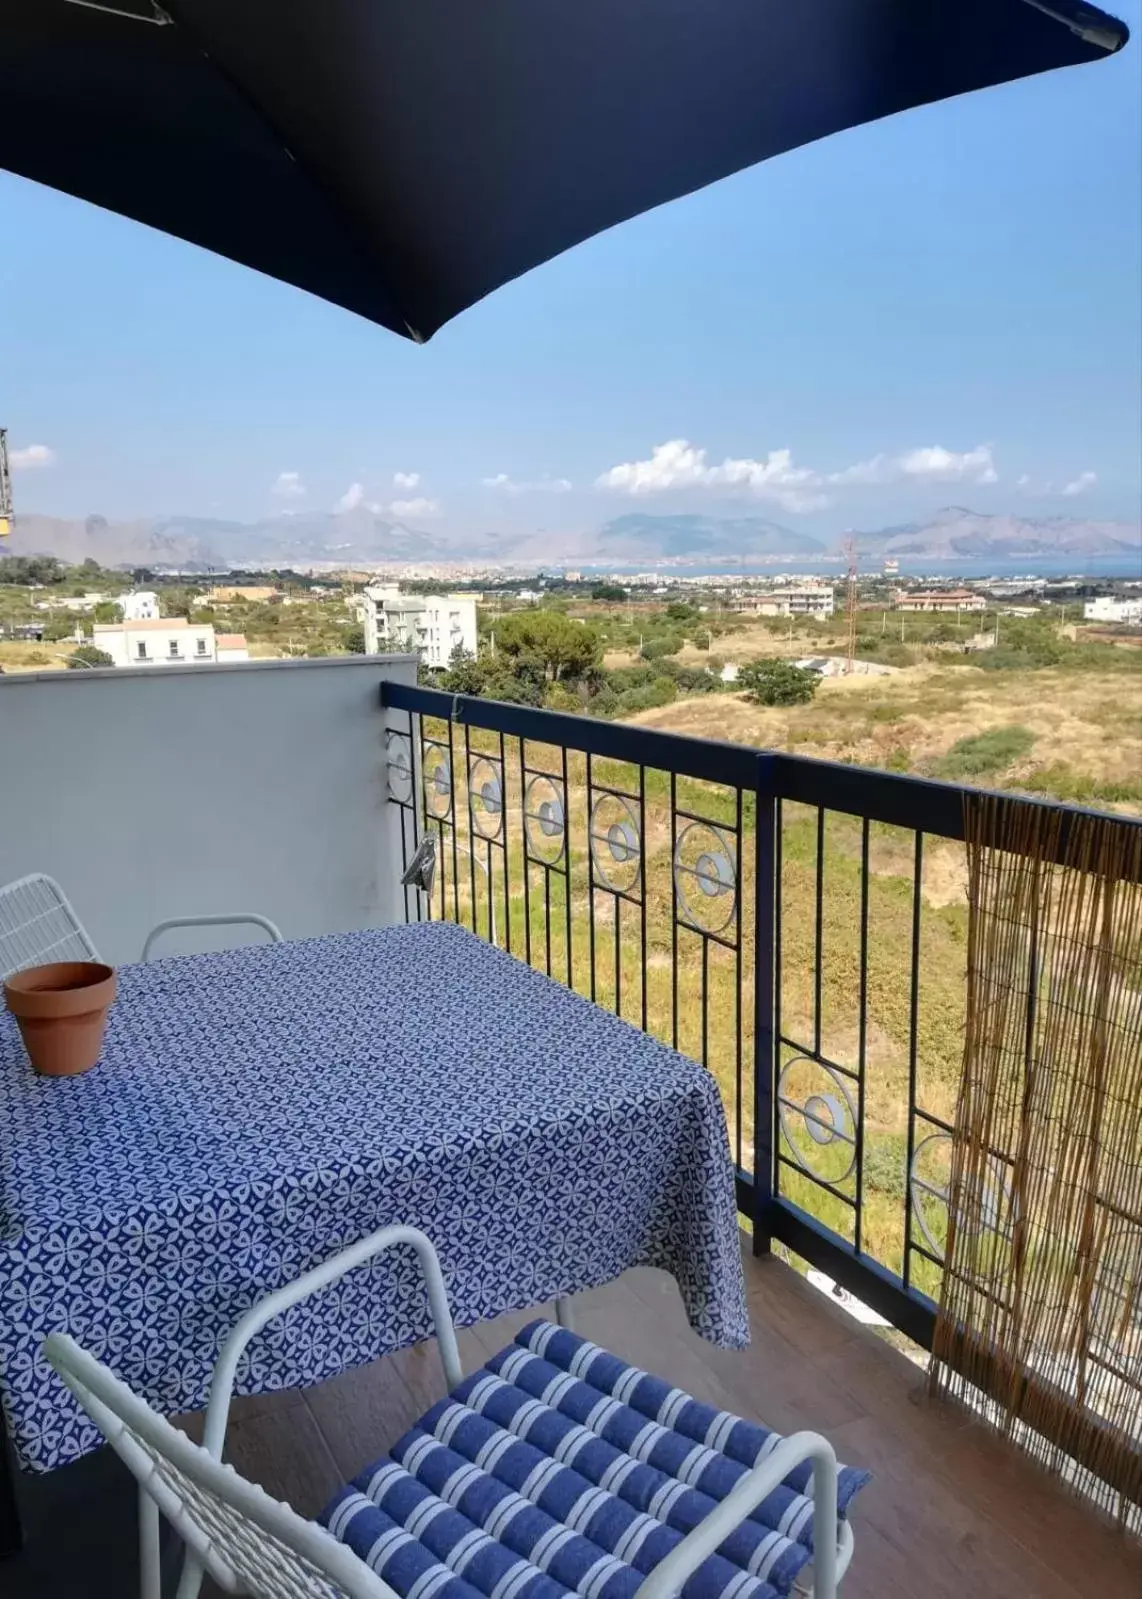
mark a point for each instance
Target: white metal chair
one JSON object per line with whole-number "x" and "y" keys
{"x": 38, "y": 923}
{"x": 250, "y": 1543}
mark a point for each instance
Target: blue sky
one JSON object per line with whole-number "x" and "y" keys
{"x": 942, "y": 308}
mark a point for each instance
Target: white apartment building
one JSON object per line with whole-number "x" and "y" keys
{"x": 139, "y": 606}
{"x": 432, "y": 626}
{"x": 951, "y": 600}
{"x": 1107, "y": 609}
{"x": 167, "y": 641}
{"x": 810, "y": 599}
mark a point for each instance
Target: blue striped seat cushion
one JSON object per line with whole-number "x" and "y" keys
{"x": 558, "y": 1470}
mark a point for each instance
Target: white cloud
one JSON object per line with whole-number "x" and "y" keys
{"x": 543, "y": 485}
{"x": 931, "y": 463}
{"x": 678, "y": 464}
{"x": 405, "y": 480}
{"x": 31, "y": 456}
{"x": 351, "y": 498}
{"x": 1023, "y": 481}
{"x": 288, "y": 486}
{"x": 414, "y": 509}
{"x": 1080, "y": 484}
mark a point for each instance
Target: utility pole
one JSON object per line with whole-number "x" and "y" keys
{"x": 5, "y": 487}
{"x": 851, "y": 605}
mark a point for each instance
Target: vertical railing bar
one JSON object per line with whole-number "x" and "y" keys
{"x": 505, "y": 819}
{"x": 862, "y": 1034}
{"x": 738, "y": 1098}
{"x": 567, "y": 865}
{"x": 526, "y": 859}
{"x": 764, "y": 1039}
{"x": 452, "y": 808}
{"x": 705, "y": 1002}
{"x": 818, "y": 961}
{"x": 547, "y": 915}
{"x": 618, "y": 955}
{"x": 491, "y": 892}
{"x": 913, "y": 1015}
{"x": 590, "y": 871}
{"x": 416, "y": 798}
{"x": 471, "y": 827}
{"x": 778, "y": 1026}
{"x": 642, "y": 886}
{"x": 673, "y": 913}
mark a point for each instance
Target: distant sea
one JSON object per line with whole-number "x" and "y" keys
{"x": 1089, "y": 566}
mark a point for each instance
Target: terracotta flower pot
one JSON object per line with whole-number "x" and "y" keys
{"x": 61, "y": 1011}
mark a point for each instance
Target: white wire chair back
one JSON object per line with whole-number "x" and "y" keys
{"x": 38, "y": 925}
{"x": 250, "y": 1543}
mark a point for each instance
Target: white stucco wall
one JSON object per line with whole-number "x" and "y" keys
{"x": 258, "y": 786}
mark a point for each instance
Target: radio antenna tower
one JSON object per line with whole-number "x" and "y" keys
{"x": 5, "y": 487}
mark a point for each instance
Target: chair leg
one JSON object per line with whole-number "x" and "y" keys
{"x": 191, "y": 1580}
{"x": 150, "y": 1562}
{"x": 563, "y": 1313}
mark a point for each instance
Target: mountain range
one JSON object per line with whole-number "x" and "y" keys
{"x": 362, "y": 538}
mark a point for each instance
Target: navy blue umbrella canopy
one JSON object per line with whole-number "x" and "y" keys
{"x": 403, "y": 158}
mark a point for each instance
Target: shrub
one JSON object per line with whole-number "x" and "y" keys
{"x": 87, "y": 656}
{"x": 1061, "y": 781}
{"x": 778, "y": 683}
{"x": 985, "y": 752}
{"x": 653, "y": 649}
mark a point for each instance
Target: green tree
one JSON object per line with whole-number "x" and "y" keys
{"x": 565, "y": 649}
{"x": 87, "y": 656}
{"x": 28, "y": 569}
{"x": 679, "y": 611}
{"x": 777, "y": 682}
{"x": 464, "y": 673}
{"x": 108, "y": 611}
{"x": 613, "y": 592}
{"x": 58, "y": 625}
{"x": 355, "y": 640}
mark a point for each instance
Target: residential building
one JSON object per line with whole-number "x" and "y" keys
{"x": 72, "y": 602}
{"x": 1107, "y": 609}
{"x": 139, "y": 606}
{"x": 809, "y": 599}
{"x": 167, "y": 641}
{"x": 231, "y": 647}
{"x": 954, "y": 600}
{"x": 434, "y": 626}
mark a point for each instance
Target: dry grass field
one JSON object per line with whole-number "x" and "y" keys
{"x": 1085, "y": 727}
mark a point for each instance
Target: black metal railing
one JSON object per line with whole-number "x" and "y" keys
{"x": 796, "y": 925}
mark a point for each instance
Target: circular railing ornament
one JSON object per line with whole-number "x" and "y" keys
{"x": 985, "y": 1217}
{"x": 826, "y": 1112}
{"x": 486, "y": 798}
{"x": 616, "y": 845}
{"x": 398, "y": 759}
{"x": 545, "y": 819}
{"x": 437, "y": 774}
{"x": 705, "y": 877}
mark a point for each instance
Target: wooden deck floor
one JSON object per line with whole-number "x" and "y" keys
{"x": 953, "y": 1512}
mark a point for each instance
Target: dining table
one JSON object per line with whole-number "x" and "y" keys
{"x": 255, "y": 1110}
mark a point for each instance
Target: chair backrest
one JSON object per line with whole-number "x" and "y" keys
{"x": 250, "y": 1543}
{"x": 38, "y": 925}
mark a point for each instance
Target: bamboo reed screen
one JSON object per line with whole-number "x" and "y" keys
{"x": 1040, "y": 1321}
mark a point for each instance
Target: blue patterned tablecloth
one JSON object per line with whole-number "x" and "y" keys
{"x": 256, "y": 1110}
